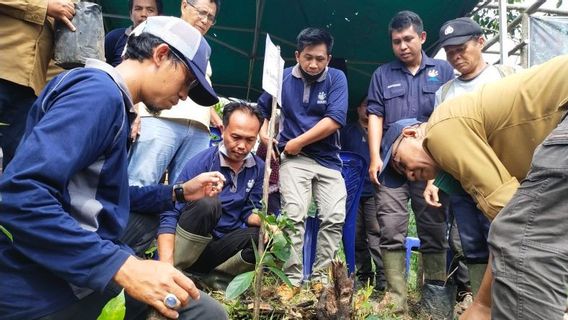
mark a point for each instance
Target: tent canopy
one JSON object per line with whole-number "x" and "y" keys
{"x": 360, "y": 29}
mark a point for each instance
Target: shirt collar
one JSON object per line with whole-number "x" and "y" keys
{"x": 249, "y": 161}
{"x": 97, "y": 64}
{"x": 426, "y": 61}
{"x": 298, "y": 74}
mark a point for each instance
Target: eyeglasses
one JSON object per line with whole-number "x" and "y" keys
{"x": 203, "y": 13}
{"x": 193, "y": 82}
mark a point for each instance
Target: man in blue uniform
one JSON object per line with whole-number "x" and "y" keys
{"x": 212, "y": 231}
{"x": 314, "y": 106}
{"x": 405, "y": 88}
{"x": 65, "y": 196}
{"x": 354, "y": 138}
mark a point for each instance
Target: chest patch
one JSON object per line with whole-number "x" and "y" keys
{"x": 322, "y": 98}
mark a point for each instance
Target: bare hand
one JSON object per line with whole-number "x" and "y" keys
{"x": 477, "y": 311}
{"x": 62, "y": 10}
{"x": 374, "y": 168}
{"x": 431, "y": 194}
{"x": 292, "y": 147}
{"x": 150, "y": 281}
{"x": 207, "y": 184}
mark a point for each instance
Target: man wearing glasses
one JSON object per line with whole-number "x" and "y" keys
{"x": 169, "y": 138}
{"x": 483, "y": 142}
{"x": 66, "y": 198}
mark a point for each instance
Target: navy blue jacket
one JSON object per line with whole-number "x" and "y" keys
{"x": 354, "y": 138}
{"x": 65, "y": 195}
{"x": 115, "y": 41}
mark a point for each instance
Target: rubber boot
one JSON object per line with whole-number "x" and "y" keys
{"x": 476, "y": 272}
{"x": 188, "y": 248}
{"x": 396, "y": 297}
{"x": 438, "y": 296}
{"x": 235, "y": 265}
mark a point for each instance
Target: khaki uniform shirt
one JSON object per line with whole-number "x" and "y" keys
{"x": 485, "y": 139}
{"x": 26, "y": 42}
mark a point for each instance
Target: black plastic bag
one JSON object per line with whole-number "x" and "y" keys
{"x": 73, "y": 48}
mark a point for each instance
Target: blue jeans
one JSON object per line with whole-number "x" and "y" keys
{"x": 528, "y": 238}
{"x": 473, "y": 228}
{"x": 164, "y": 144}
{"x": 15, "y": 103}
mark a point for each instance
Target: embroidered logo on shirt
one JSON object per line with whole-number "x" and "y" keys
{"x": 449, "y": 30}
{"x": 433, "y": 75}
{"x": 321, "y": 98}
{"x": 250, "y": 184}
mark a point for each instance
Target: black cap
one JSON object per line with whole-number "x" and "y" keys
{"x": 458, "y": 31}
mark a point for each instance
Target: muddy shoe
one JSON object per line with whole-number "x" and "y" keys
{"x": 465, "y": 299}
{"x": 392, "y": 303}
{"x": 286, "y": 293}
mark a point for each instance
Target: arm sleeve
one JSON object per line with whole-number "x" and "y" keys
{"x": 151, "y": 199}
{"x": 73, "y": 134}
{"x": 468, "y": 157}
{"x": 375, "y": 102}
{"x": 264, "y": 104}
{"x": 34, "y": 11}
{"x": 338, "y": 99}
{"x": 255, "y": 197}
{"x": 169, "y": 218}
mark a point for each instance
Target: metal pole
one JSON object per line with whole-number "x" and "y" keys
{"x": 503, "y": 31}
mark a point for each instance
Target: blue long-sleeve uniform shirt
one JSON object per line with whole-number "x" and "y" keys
{"x": 65, "y": 195}
{"x": 304, "y": 105}
{"x": 242, "y": 192}
{"x": 394, "y": 93}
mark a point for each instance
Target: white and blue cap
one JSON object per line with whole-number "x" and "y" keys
{"x": 388, "y": 175}
{"x": 186, "y": 40}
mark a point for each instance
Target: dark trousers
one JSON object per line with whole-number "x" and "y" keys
{"x": 393, "y": 218}
{"x": 140, "y": 231}
{"x": 15, "y": 103}
{"x": 473, "y": 228}
{"x": 367, "y": 242}
{"x": 200, "y": 217}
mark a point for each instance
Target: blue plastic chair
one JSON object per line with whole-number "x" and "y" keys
{"x": 215, "y": 136}
{"x": 410, "y": 243}
{"x": 353, "y": 172}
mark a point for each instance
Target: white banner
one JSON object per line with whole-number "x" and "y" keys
{"x": 272, "y": 70}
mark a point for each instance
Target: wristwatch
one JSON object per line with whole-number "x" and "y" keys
{"x": 178, "y": 191}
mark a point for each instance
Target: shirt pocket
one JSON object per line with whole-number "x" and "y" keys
{"x": 395, "y": 103}
{"x": 429, "y": 94}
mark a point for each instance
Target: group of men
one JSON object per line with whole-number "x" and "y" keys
{"x": 81, "y": 196}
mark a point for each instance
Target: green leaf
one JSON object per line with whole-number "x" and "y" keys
{"x": 271, "y": 219}
{"x": 282, "y": 254}
{"x": 7, "y": 233}
{"x": 115, "y": 309}
{"x": 269, "y": 260}
{"x": 239, "y": 285}
{"x": 280, "y": 275}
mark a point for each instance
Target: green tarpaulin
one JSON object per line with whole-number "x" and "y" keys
{"x": 359, "y": 27}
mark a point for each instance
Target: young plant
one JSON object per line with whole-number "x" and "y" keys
{"x": 278, "y": 251}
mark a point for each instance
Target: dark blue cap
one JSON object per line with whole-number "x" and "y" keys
{"x": 388, "y": 175}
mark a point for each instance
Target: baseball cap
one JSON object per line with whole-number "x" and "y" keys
{"x": 388, "y": 175}
{"x": 458, "y": 31}
{"x": 195, "y": 51}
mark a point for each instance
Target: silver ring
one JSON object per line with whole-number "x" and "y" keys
{"x": 171, "y": 301}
